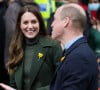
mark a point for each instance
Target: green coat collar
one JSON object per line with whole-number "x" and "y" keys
{"x": 46, "y": 41}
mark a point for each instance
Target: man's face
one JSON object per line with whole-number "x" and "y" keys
{"x": 57, "y": 26}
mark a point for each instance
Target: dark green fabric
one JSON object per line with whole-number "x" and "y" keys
{"x": 42, "y": 69}
{"x": 94, "y": 41}
{"x": 28, "y": 57}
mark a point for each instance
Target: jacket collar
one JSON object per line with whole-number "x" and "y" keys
{"x": 76, "y": 44}
{"x": 69, "y": 50}
{"x": 45, "y": 41}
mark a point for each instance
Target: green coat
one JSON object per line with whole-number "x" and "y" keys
{"x": 94, "y": 40}
{"x": 42, "y": 68}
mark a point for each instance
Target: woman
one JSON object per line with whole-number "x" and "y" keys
{"x": 33, "y": 55}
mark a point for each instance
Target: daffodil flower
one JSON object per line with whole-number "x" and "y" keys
{"x": 62, "y": 58}
{"x": 40, "y": 55}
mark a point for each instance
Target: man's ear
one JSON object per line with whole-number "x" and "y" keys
{"x": 66, "y": 21}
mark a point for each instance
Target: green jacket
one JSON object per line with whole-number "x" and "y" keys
{"x": 42, "y": 68}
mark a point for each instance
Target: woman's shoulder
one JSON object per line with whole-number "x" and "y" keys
{"x": 48, "y": 41}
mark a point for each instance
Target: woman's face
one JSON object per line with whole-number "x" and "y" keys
{"x": 29, "y": 25}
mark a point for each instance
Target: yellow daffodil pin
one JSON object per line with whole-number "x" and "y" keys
{"x": 62, "y": 58}
{"x": 40, "y": 55}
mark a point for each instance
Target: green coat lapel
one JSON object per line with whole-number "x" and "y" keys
{"x": 37, "y": 62}
{"x": 19, "y": 77}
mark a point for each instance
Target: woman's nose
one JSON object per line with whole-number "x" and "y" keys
{"x": 30, "y": 25}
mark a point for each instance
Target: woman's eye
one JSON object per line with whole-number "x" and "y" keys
{"x": 26, "y": 22}
{"x": 34, "y": 21}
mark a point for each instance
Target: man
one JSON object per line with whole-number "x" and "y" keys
{"x": 79, "y": 69}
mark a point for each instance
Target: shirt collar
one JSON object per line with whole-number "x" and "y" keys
{"x": 67, "y": 45}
